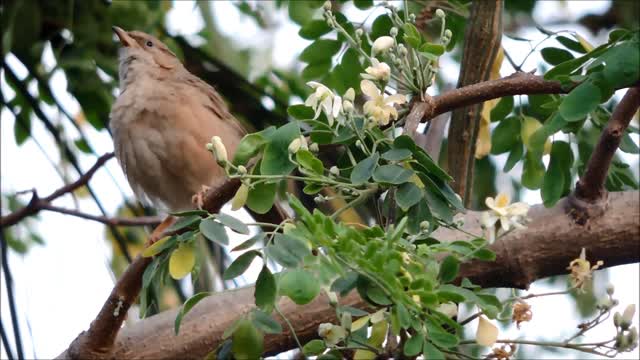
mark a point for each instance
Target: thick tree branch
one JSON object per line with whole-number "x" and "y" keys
{"x": 590, "y": 188}
{"x": 544, "y": 249}
{"x": 98, "y": 341}
{"x": 482, "y": 43}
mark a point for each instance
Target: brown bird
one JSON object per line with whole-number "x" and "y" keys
{"x": 162, "y": 121}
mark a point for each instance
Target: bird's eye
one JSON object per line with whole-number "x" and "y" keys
{"x": 149, "y": 44}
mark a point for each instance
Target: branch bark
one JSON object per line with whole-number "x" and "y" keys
{"x": 544, "y": 249}
{"x": 590, "y": 187}
{"x": 482, "y": 43}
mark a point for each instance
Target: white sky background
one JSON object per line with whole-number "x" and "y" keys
{"x": 61, "y": 286}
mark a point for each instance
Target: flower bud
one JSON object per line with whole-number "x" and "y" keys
{"x": 412, "y": 17}
{"x": 359, "y": 32}
{"x": 219, "y": 151}
{"x": 402, "y": 50}
{"x": 440, "y": 13}
{"x": 242, "y": 170}
{"x": 303, "y": 143}
{"x": 349, "y": 95}
{"x": 347, "y": 106}
{"x": 313, "y": 147}
{"x": 632, "y": 337}
{"x": 327, "y": 5}
{"x": 334, "y": 171}
{"x": 617, "y": 319}
{"x": 627, "y": 316}
{"x": 333, "y": 298}
{"x": 424, "y": 225}
{"x": 294, "y": 146}
{"x": 610, "y": 289}
{"x": 288, "y": 227}
{"x": 240, "y": 198}
{"x": 448, "y": 34}
{"x": 394, "y": 31}
{"x": 382, "y": 44}
{"x": 318, "y": 199}
{"x": 210, "y": 147}
{"x": 346, "y": 320}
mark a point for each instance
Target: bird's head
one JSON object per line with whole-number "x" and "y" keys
{"x": 143, "y": 52}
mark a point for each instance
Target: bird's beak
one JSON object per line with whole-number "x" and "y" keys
{"x": 125, "y": 39}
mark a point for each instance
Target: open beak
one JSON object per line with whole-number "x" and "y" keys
{"x": 125, "y": 39}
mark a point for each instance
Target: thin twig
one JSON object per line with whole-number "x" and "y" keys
{"x": 8, "y": 281}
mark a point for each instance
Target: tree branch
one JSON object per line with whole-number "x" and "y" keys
{"x": 482, "y": 43}
{"x": 98, "y": 341}
{"x": 544, "y": 249}
{"x": 36, "y": 204}
{"x": 590, "y": 188}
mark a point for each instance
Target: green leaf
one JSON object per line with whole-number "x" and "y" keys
{"x": 363, "y": 4}
{"x": 404, "y": 318}
{"x": 301, "y": 12}
{"x": 266, "y": 289}
{"x": 316, "y": 71}
{"x": 408, "y": 194}
{"x": 449, "y": 269}
{"x": 313, "y": 188}
{"x": 417, "y": 214}
{"x": 184, "y": 222}
{"x": 343, "y": 285}
{"x": 314, "y": 347}
{"x": 533, "y": 172}
{"x": 502, "y": 109}
{"x": 515, "y": 155}
{"x": 214, "y": 231}
{"x": 411, "y": 35}
{"x": 287, "y": 251}
{"x": 440, "y": 337}
{"x": 250, "y": 146}
{"x": 261, "y": 197}
{"x": 555, "y": 56}
{"x": 627, "y": 145}
{"x": 309, "y": 161}
{"x": 248, "y": 342}
{"x": 580, "y": 102}
{"x": 299, "y": 285}
{"x": 188, "y": 305}
{"x": 250, "y": 242}
{"x": 266, "y": 322}
{"x": 396, "y": 154}
{"x": 314, "y": 29}
{"x": 363, "y": 170}
{"x": 557, "y": 179}
{"x": 568, "y": 66}
{"x": 159, "y": 246}
{"x": 381, "y": 26}
{"x": 392, "y": 174}
{"x": 623, "y": 64}
{"x": 300, "y": 112}
{"x": 435, "y": 49}
{"x": 484, "y": 254}
{"x": 506, "y": 135}
{"x": 239, "y": 265}
{"x": 413, "y": 346}
{"x": 550, "y": 127}
{"x": 275, "y": 160}
{"x": 200, "y": 213}
{"x": 350, "y": 70}
{"x": 320, "y": 51}
{"x": 431, "y": 352}
{"x": 571, "y": 44}
{"x": 233, "y": 223}
{"x": 83, "y": 146}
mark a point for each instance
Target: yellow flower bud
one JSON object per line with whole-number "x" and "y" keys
{"x": 294, "y": 146}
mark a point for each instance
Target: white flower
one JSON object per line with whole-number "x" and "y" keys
{"x": 487, "y": 333}
{"x": 324, "y": 100}
{"x": 294, "y": 146}
{"x": 379, "y": 107}
{"x": 332, "y": 334}
{"x": 379, "y": 71}
{"x": 382, "y": 44}
{"x": 508, "y": 214}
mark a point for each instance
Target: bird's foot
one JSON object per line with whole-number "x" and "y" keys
{"x": 158, "y": 232}
{"x": 198, "y": 198}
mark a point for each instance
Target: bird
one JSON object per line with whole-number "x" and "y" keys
{"x": 161, "y": 122}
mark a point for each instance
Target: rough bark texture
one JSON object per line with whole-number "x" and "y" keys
{"x": 545, "y": 248}
{"x": 483, "y": 37}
